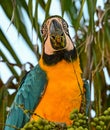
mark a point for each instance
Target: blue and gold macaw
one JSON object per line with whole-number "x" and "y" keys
{"x": 54, "y": 87}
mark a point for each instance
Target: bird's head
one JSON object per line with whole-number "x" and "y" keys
{"x": 57, "y": 43}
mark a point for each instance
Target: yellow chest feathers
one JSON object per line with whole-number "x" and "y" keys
{"x": 63, "y": 91}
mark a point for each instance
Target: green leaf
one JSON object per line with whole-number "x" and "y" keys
{"x": 6, "y": 43}
{"x": 30, "y": 8}
{"x": 91, "y": 9}
{"x": 9, "y": 66}
{"x": 79, "y": 16}
{"x": 47, "y": 7}
{"x": 36, "y": 24}
{"x": 42, "y": 4}
{"x": 8, "y": 8}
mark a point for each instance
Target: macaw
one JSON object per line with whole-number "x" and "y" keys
{"x": 54, "y": 87}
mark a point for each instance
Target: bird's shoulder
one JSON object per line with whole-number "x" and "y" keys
{"x": 31, "y": 87}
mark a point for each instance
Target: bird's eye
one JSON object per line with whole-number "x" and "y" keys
{"x": 65, "y": 27}
{"x": 44, "y": 30}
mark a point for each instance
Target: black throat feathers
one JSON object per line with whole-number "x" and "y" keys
{"x": 69, "y": 56}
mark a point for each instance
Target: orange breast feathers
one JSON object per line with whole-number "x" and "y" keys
{"x": 63, "y": 91}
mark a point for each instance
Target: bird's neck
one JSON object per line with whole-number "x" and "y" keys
{"x": 62, "y": 67}
{"x": 58, "y": 56}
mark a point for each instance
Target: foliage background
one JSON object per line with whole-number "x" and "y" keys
{"x": 92, "y": 38}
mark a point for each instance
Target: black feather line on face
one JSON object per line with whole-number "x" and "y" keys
{"x": 53, "y": 59}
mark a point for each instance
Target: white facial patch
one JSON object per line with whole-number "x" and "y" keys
{"x": 69, "y": 44}
{"x": 47, "y": 47}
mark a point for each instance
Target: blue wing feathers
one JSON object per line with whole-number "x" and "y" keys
{"x": 28, "y": 94}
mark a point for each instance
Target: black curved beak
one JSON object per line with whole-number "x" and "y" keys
{"x": 57, "y": 36}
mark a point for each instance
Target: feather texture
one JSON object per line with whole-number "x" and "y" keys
{"x": 28, "y": 95}
{"x": 64, "y": 91}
